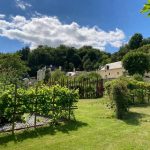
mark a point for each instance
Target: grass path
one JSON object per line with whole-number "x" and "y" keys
{"x": 95, "y": 129}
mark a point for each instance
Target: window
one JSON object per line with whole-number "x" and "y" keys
{"x": 107, "y": 67}
{"x": 117, "y": 73}
{"x": 109, "y": 73}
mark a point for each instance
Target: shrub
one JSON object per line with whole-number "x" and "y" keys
{"x": 120, "y": 98}
{"x": 57, "y": 74}
{"x": 137, "y": 77}
{"x": 118, "y": 94}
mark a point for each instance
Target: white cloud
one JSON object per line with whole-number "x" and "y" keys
{"x": 2, "y": 16}
{"x": 22, "y": 5}
{"x": 45, "y": 30}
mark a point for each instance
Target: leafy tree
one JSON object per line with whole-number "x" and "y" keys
{"x": 144, "y": 49}
{"x": 14, "y": 62}
{"x": 24, "y": 53}
{"x": 87, "y": 65}
{"x": 64, "y": 56}
{"x": 88, "y": 76}
{"x": 136, "y": 63}
{"x": 119, "y": 55}
{"x": 67, "y": 57}
{"x": 135, "y": 41}
{"x": 146, "y": 8}
{"x": 11, "y": 66}
{"x": 137, "y": 77}
{"x": 57, "y": 74}
{"x": 145, "y": 41}
{"x": 93, "y": 75}
{"x": 40, "y": 57}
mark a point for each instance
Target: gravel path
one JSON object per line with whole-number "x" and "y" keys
{"x": 29, "y": 123}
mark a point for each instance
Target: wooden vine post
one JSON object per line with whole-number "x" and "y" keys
{"x": 35, "y": 111}
{"x": 69, "y": 109}
{"x": 53, "y": 106}
{"x": 14, "y": 109}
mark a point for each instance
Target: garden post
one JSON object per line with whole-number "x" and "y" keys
{"x": 35, "y": 112}
{"x": 69, "y": 108}
{"x": 14, "y": 111}
{"x": 53, "y": 105}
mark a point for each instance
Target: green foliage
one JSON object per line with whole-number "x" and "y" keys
{"x": 139, "y": 91}
{"x": 145, "y": 48}
{"x": 118, "y": 94}
{"x": 85, "y": 58}
{"x": 136, "y": 63}
{"x": 119, "y": 55}
{"x": 135, "y": 41}
{"x": 52, "y": 101}
{"x": 137, "y": 77}
{"x": 120, "y": 97}
{"x": 137, "y": 44}
{"x": 24, "y": 53}
{"x": 146, "y": 8}
{"x": 57, "y": 75}
{"x": 88, "y": 76}
{"x": 146, "y": 41}
{"x": 12, "y": 67}
{"x": 47, "y": 75}
{"x": 87, "y": 65}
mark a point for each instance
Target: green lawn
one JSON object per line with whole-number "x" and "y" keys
{"x": 95, "y": 129}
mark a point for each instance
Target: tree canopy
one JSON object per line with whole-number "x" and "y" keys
{"x": 85, "y": 58}
{"x": 11, "y": 66}
{"x": 136, "y": 63}
{"x": 136, "y": 43}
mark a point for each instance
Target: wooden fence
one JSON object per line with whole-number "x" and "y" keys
{"x": 88, "y": 88}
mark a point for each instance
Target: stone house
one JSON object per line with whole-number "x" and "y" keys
{"x": 112, "y": 70}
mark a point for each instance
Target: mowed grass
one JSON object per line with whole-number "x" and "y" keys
{"x": 95, "y": 129}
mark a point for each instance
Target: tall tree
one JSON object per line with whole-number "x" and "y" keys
{"x": 135, "y": 41}
{"x": 24, "y": 53}
{"x": 12, "y": 67}
{"x": 136, "y": 63}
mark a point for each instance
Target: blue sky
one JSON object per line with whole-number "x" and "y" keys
{"x": 115, "y": 20}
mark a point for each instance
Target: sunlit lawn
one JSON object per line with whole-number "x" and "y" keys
{"x": 95, "y": 129}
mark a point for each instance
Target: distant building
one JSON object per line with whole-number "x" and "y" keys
{"x": 70, "y": 73}
{"x": 74, "y": 73}
{"x": 112, "y": 70}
